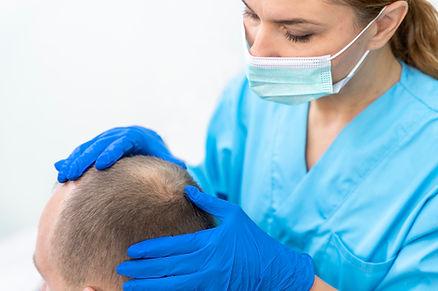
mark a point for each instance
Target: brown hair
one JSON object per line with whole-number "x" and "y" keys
{"x": 416, "y": 40}
{"x": 136, "y": 199}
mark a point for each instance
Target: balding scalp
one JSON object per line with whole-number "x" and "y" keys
{"x": 138, "y": 198}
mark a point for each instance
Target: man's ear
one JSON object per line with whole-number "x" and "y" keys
{"x": 388, "y": 23}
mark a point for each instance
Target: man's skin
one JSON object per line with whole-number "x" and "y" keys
{"x": 42, "y": 259}
{"x": 45, "y": 263}
{"x": 320, "y": 285}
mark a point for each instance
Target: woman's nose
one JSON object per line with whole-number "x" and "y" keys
{"x": 262, "y": 43}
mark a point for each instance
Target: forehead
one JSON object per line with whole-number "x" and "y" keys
{"x": 324, "y": 10}
{"x": 54, "y": 206}
{"x": 47, "y": 224}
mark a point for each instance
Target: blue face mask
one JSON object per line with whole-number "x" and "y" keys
{"x": 296, "y": 80}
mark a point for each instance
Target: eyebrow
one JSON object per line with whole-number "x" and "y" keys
{"x": 292, "y": 21}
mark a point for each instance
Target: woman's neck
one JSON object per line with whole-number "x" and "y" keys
{"x": 378, "y": 74}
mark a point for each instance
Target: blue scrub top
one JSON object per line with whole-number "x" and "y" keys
{"x": 367, "y": 211}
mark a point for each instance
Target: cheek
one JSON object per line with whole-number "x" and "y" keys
{"x": 250, "y": 31}
{"x": 343, "y": 64}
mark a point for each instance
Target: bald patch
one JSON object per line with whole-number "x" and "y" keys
{"x": 107, "y": 211}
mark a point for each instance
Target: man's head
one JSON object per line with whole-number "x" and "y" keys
{"x": 87, "y": 225}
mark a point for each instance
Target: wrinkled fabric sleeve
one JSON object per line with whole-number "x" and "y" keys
{"x": 221, "y": 171}
{"x": 416, "y": 266}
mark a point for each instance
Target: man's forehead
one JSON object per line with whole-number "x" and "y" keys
{"x": 46, "y": 227}
{"x": 52, "y": 210}
{"x": 53, "y": 207}
{"x": 64, "y": 188}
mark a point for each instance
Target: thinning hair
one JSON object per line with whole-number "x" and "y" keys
{"x": 138, "y": 198}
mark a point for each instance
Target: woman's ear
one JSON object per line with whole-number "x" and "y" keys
{"x": 388, "y": 23}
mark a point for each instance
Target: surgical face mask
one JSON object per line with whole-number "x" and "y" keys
{"x": 296, "y": 80}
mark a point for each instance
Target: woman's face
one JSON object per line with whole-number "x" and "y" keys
{"x": 304, "y": 28}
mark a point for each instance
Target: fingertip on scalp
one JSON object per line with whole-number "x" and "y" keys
{"x": 103, "y": 162}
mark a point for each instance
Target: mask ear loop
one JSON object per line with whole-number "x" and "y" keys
{"x": 339, "y": 85}
{"x": 359, "y": 35}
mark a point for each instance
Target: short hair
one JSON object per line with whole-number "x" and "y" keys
{"x": 136, "y": 199}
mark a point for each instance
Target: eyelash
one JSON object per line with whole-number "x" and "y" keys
{"x": 295, "y": 38}
{"x": 288, "y": 35}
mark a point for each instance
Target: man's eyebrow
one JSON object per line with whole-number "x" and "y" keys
{"x": 292, "y": 21}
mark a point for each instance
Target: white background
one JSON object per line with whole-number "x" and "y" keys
{"x": 71, "y": 69}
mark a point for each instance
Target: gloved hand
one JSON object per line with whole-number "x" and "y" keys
{"x": 107, "y": 148}
{"x": 235, "y": 255}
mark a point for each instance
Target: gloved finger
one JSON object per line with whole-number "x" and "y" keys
{"x": 114, "y": 152}
{"x": 149, "y": 131}
{"x": 76, "y": 152}
{"x": 87, "y": 158}
{"x": 62, "y": 178}
{"x": 151, "y": 144}
{"x": 182, "y": 282}
{"x": 59, "y": 165}
{"x": 208, "y": 203}
{"x": 65, "y": 164}
{"x": 170, "y": 245}
{"x": 160, "y": 267}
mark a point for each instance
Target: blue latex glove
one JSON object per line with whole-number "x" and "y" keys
{"x": 107, "y": 148}
{"x": 236, "y": 255}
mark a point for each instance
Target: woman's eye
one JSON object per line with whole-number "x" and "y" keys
{"x": 298, "y": 38}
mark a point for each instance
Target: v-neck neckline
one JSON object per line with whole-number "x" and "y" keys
{"x": 346, "y": 128}
{"x": 357, "y": 150}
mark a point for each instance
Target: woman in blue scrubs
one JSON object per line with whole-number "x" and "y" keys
{"x": 326, "y": 150}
